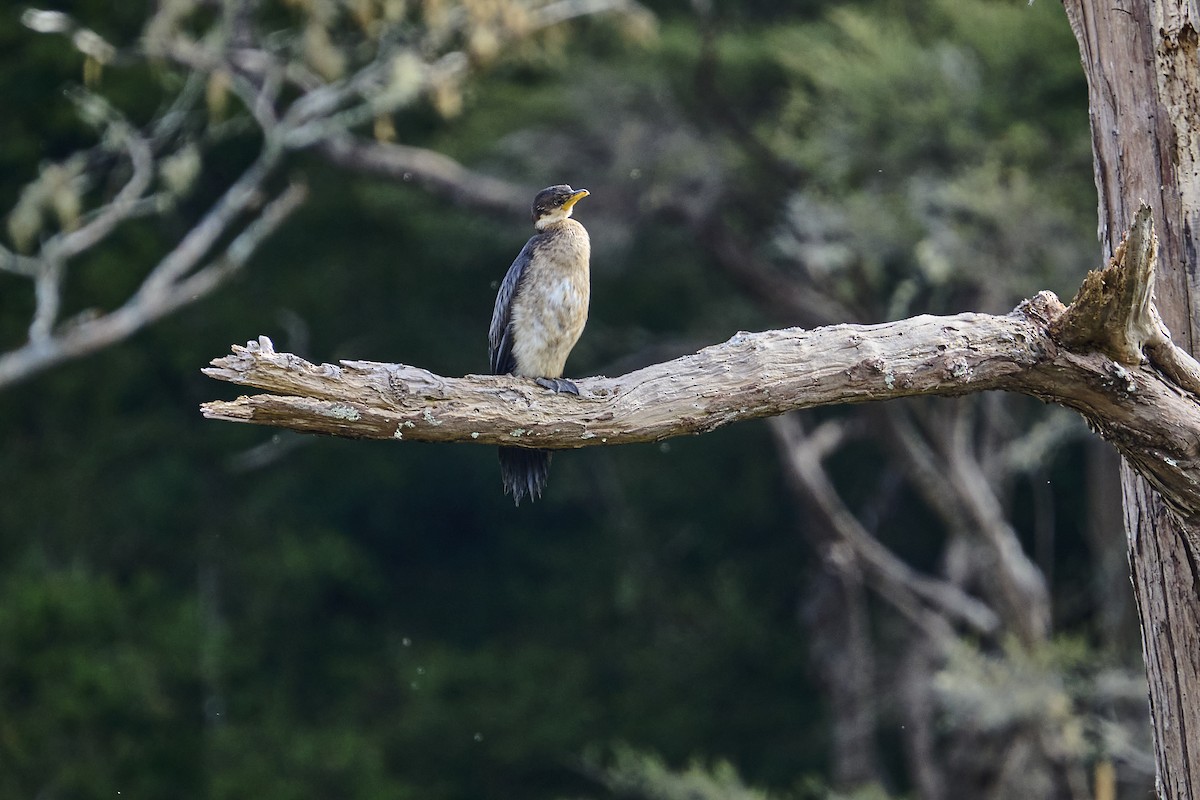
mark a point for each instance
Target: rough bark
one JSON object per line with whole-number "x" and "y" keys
{"x": 1138, "y": 408}
{"x": 1168, "y": 599}
{"x": 1144, "y": 135}
{"x": 1143, "y": 71}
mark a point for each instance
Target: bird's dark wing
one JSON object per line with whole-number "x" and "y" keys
{"x": 500, "y": 343}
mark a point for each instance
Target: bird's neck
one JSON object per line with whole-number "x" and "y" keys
{"x": 552, "y": 221}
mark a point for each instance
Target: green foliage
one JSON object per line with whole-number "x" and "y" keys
{"x": 941, "y": 150}
{"x": 94, "y": 675}
{"x": 635, "y": 775}
{"x": 954, "y": 83}
{"x": 641, "y": 775}
{"x": 982, "y": 691}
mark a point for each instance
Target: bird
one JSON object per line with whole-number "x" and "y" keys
{"x": 541, "y": 309}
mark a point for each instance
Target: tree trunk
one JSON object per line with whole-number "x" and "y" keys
{"x": 1143, "y": 75}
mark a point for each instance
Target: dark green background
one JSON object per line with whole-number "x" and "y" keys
{"x": 360, "y": 619}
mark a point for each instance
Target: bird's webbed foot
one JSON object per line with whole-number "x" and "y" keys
{"x": 558, "y": 385}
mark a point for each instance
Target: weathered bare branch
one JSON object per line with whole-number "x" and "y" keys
{"x": 561, "y": 11}
{"x": 436, "y": 172}
{"x": 912, "y": 594}
{"x": 1153, "y": 423}
{"x": 1019, "y": 585}
{"x": 1174, "y": 362}
{"x": 751, "y": 375}
{"x": 239, "y": 197}
{"x": 1112, "y": 310}
{"x": 122, "y": 206}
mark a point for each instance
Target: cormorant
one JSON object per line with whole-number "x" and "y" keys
{"x": 540, "y": 312}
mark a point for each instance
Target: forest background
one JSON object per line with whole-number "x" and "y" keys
{"x": 190, "y": 609}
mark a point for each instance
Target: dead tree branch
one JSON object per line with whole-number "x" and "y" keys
{"x": 909, "y": 592}
{"x": 437, "y": 173}
{"x": 1149, "y": 418}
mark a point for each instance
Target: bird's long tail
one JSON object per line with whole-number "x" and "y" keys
{"x": 524, "y": 472}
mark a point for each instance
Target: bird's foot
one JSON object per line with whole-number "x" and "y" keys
{"x": 558, "y": 385}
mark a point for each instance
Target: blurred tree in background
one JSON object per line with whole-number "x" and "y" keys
{"x": 927, "y": 598}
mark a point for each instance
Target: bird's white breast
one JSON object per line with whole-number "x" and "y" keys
{"x": 550, "y": 310}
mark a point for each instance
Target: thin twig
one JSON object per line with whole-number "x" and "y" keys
{"x": 1021, "y": 585}
{"x": 145, "y": 307}
{"x": 114, "y": 213}
{"x": 563, "y": 10}
{"x": 434, "y": 171}
{"x": 47, "y": 293}
{"x": 237, "y": 199}
{"x": 17, "y": 264}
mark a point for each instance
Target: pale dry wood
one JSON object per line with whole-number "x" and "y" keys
{"x": 1112, "y": 311}
{"x": 751, "y": 375}
{"x": 1142, "y": 62}
{"x": 1143, "y": 69}
{"x": 1154, "y": 423}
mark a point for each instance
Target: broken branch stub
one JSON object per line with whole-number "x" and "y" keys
{"x": 1113, "y": 311}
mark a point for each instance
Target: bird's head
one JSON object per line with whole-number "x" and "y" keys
{"x": 553, "y": 204}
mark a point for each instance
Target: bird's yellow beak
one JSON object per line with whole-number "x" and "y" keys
{"x": 575, "y": 198}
